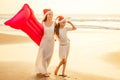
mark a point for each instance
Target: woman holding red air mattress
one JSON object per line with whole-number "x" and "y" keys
{"x": 41, "y": 34}
{"x": 47, "y": 44}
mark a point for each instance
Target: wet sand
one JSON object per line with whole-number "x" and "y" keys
{"x": 93, "y": 56}
{"x": 24, "y": 71}
{"x": 13, "y": 39}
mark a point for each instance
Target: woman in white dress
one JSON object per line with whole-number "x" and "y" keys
{"x": 64, "y": 42}
{"x": 47, "y": 44}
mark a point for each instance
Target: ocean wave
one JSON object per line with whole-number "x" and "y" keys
{"x": 97, "y": 27}
{"x": 107, "y": 20}
{"x": 112, "y": 23}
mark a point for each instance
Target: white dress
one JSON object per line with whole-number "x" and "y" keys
{"x": 45, "y": 50}
{"x": 64, "y": 43}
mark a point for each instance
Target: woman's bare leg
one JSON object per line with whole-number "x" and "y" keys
{"x": 56, "y": 70}
{"x": 64, "y": 67}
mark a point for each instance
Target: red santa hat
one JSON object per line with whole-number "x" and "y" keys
{"x": 60, "y": 19}
{"x": 47, "y": 11}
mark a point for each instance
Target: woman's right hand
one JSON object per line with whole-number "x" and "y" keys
{"x": 69, "y": 22}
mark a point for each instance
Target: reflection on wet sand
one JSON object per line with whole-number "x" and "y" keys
{"x": 25, "y": 71}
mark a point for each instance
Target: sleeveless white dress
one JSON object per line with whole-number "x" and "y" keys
{"x": 64, "y": 43}
{"x": 45, "y": 50}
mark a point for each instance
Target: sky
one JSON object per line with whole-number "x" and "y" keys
{"x": 63, "y": 6}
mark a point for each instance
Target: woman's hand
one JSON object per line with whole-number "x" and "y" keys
{"x": 73, "y": 27}
{"x": 69, "y": 22}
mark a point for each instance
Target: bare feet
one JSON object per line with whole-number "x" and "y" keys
{"x": 42, "y": 75}
{"x": 39, "y": 74}
{"x": 63, "y": 75}
{"x": 46, "y": 75}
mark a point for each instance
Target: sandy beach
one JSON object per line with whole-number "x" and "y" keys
{"x": 24, "y": 71}
{"x": 94, "y": 55}
{"x": 94, "y": 47}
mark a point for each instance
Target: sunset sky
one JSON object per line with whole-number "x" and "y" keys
{"x": 64, "y": 6}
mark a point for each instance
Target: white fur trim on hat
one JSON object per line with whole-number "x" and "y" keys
{"x": 46, "y": 14}
{"x": 63, "y": 19}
